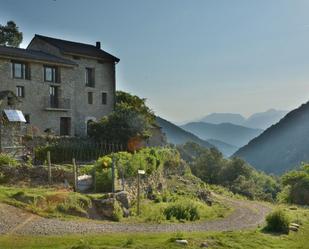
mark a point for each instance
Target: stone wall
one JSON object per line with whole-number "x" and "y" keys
{"x": 11, "y": 138}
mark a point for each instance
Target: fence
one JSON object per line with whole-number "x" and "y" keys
{"x": 83, "y": 151}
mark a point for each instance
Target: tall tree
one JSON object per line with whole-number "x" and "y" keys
{"x": 10, "y": 35}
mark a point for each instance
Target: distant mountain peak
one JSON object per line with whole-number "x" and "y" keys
{"x": 260, "y": 120}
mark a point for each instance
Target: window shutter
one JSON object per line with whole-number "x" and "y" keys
{"x": 28, "y": 72}
{"x": 93, "y": 77}
{"x": 58, "y": 75}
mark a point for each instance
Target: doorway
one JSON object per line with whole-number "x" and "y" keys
{"x": 65, "y": 126}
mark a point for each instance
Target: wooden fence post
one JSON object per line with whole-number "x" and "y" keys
{"x": 74, "y": 175}
{"x": 49, "y": 168}
{"x": 113, "y": 175}
{"x": 94, "y": 180}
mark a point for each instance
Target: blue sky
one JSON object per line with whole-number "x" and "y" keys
{"x": 188, "y": 58}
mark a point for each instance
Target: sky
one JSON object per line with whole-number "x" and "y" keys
{"x": 188, "y": 58}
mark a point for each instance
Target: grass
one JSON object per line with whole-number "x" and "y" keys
{"x": 217, "y": 240}
{"x": 46, "y": 202}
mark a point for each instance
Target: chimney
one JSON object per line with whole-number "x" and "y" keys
{"x": 98, "y": 45}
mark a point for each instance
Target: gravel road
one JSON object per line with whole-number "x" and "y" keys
{"x": 246, "y": 214}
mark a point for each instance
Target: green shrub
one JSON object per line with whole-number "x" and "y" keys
{"x": 117, "y": 212}
{"x": 6, "y": 159}
{"x": 182, "y": 211}
{"x": 277, "y": 222}
{"x": 104, "y": 181}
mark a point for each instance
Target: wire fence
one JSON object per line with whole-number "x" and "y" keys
{"x": 83, "y": 151}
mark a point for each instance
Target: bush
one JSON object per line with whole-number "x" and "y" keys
{"x": 6, "y": 159}
{"x": 117, "y": 212}
{"x": 104, "y": 181}
{"x": 182, "y": 211}
{"x": 277, "y": 222}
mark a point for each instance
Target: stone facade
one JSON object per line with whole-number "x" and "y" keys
{"x": 72, "y": 89}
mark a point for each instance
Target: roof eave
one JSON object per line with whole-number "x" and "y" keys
{"x": 37, "y": 60}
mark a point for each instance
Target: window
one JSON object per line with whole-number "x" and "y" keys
{"x": 20, "y": 70}
{"x": 90, "y": 98}
{"x": 51, "y": 74}
{"x": 89, "y": 77}
{"x": 104, "y": 98}
{"x": 20, "y": 91}
{"x": 27, "y": 117}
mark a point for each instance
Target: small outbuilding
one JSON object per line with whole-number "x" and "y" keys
{"x": 12, "y": 123}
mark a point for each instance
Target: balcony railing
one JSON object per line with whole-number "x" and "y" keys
{"x": 54, "y": 103}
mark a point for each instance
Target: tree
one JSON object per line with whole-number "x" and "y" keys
{"x": 297, "y": 185}
{"x": 10, "y": 35}
{"x": 129, "y": 123}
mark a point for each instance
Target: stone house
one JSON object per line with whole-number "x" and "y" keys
{"x": 61, "y": 85}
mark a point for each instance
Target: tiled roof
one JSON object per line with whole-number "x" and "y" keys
{"x": 29, "y": 54}
{"x": 78, "y": 48}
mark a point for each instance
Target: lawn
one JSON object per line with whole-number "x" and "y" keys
{"x": 236, "y": 240}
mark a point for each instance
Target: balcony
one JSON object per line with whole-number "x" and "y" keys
{"x": 57, "y": 104}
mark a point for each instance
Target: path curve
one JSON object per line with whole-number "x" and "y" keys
{"x": 246, "y": 214}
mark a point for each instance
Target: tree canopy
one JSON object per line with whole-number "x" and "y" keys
{"x": 10, "y": 35}
{"x": 131, "y": 119}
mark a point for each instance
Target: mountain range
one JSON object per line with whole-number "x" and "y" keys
{"x": 232, "y": 134}
{"x": 177, "y": 135}
{"x": 261, "y": 120}
{"x": 282, "y": 146}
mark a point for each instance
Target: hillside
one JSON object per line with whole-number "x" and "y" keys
{"x": 177, "y": 135}
{"x": 263, "y": 120}
{"x": 282, "y": 146}
{"x": 235, "y": 135}
{"x": 226, "y": 149}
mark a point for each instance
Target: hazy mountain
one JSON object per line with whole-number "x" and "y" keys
{"x": 263, "y": 120}
{"x": 218, "y": 118}
{"x": 226, "y": 149}
{"x": 226, "y": 132}
{"x": 283, "y": 145}
{"x": 177, "y": 135}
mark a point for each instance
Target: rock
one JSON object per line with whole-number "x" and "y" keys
{"x": 292, "y": 228}
{"x": 123, "y": 198}
{"x": 84, "y": 182}
{"x": 181, "y": 242}
{"x": 205, "y": 197}
{"x": 204, "y": 244}
{"x": 294, "y": 225}
{"x": 126, "y": 212}
{"x": 105, "y": 207}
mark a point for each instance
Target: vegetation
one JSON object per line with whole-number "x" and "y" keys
{"x": 234, "y": 174}
{"x": 47, "y": 202}
{"x": 6, "y": 159}
{"x": 296, "y": 186}
{"x": 130, "y": 122}
{"x": 10, "y": 35}
{"x": 182, "y": 211}
{"x": 277, "y": 222}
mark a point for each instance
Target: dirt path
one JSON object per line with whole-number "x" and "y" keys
{"x": 15, "y": 221}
